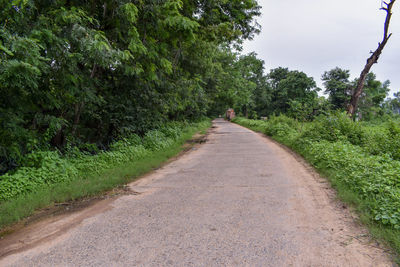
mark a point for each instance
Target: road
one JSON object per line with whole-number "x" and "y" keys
{"x": 237, "y": 200}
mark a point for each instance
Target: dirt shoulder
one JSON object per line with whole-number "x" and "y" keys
{"x": 53, "y": 221}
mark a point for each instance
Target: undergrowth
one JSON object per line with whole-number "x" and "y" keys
{"x": 49, "y": 177}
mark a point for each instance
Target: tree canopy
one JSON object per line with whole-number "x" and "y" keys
{"x": 78, "y": 72}
{"x": 73, "y": 72}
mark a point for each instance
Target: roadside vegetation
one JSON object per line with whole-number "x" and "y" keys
{"x": 50, "y": 177}
{"x": 94, "y": 93}
{"x": 361, "y": 160}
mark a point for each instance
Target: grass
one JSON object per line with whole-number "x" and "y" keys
{"x": 385, "y": 234}
{"x": 14, "y": 210}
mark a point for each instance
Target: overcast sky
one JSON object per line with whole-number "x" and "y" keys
{"x": 315, "y": 36}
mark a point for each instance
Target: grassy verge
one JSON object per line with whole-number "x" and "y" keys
{"x": 383, "y": 233}
{"x": 91, "y": 184}
{"x": 369, "y": 183}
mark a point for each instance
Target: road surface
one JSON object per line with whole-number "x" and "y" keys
{"x": 237, "y": 200}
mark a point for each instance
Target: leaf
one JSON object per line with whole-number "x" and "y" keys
{"x": 19, "y": 3}
{"x": 166, "y": 65}
{"x": 4, "y": 49}
{"x": 130, "y": 11}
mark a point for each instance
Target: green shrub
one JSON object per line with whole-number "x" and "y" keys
{"x": 394, "y": 140}
{"x": 374, "y": 178}
{"x": 336, "y": 127}
{"x": 375, "y": 140}
{"x": 382, "y": 138}
{"x": 43, "y": 168}
{"x": 47, "y": 168}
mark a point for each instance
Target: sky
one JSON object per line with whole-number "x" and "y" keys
{"x": 315, "y": 36}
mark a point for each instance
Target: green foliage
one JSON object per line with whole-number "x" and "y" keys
{"x": 106, "y": 171}
{"x": 338, "y": 86}
{"x": 391, "y": 106}
{"x": 374, "y": 178}
{"x": 334, "y": 128}
{"x": 228, "y": 20}
{"x": 294, "y": 94}
{"x": 374, "y": 94}
{"x": 45, "y": 168}
{"x": 78, "y": 72}
{"x": 383, "y": 138}
{"x": 292, "y": 91}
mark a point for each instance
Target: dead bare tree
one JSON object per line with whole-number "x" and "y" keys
{"x": 352, "y": 108}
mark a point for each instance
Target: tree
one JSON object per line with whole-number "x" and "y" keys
{"x": 352, "y": 108}
{"x": 392, "y": 105}
{"x": 228, "y": 21}
{"x": 75, "y": 72}
{"x": 373, "y": 96}
{"x": 252, "y": 69}
{"x": 288, "y": 86}
{"x": 338, "y": 86}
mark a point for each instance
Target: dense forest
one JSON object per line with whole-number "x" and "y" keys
{"x": 74, "y": 73}
{"x": 86, "y": 73}
{"x": 95, "y": 93}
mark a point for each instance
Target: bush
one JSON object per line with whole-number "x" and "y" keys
{"x": 43, "y": 168}
{"x": 336, "y": 127}
{"x": 374, "y": 178}
{"x": 382, "y": 139}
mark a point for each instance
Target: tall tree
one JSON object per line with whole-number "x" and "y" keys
{"x": 373, "y": 96}
{"x": 73, "y": 72}
{"x": 288, "y": 86}
{"x": 352, "y": 108}
{"x": 338, "y": 86}
{"x": 252, "y": 69}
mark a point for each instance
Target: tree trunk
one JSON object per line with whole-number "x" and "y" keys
{"x": 352, "y": 108}
{"x": 77, "y": 115}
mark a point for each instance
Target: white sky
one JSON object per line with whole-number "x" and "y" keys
{"x": 315, "y": 36}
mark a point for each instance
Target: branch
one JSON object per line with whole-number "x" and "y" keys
{"x": 352, "y": 108}
{"x": 388, "y": 17}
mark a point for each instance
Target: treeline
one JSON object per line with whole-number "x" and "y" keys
{"x": 85, "y": 73}
{"x": 293, "y": 93}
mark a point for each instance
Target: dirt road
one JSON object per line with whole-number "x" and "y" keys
{"x": 237, "y": 200}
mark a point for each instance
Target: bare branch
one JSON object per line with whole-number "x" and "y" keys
{"x": 352, "y": 108}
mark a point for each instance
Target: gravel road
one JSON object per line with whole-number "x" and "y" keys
{"x": 237, "y": 200}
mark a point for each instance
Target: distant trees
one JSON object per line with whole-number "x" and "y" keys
{"x": 291, "y": 88}
{"x": 338, "y": 87}
{"x": 280, "y": 91}
{"x": 372, "y": 98}
{"x": 392, "y": 105}
{"x": 293, "y": 93}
